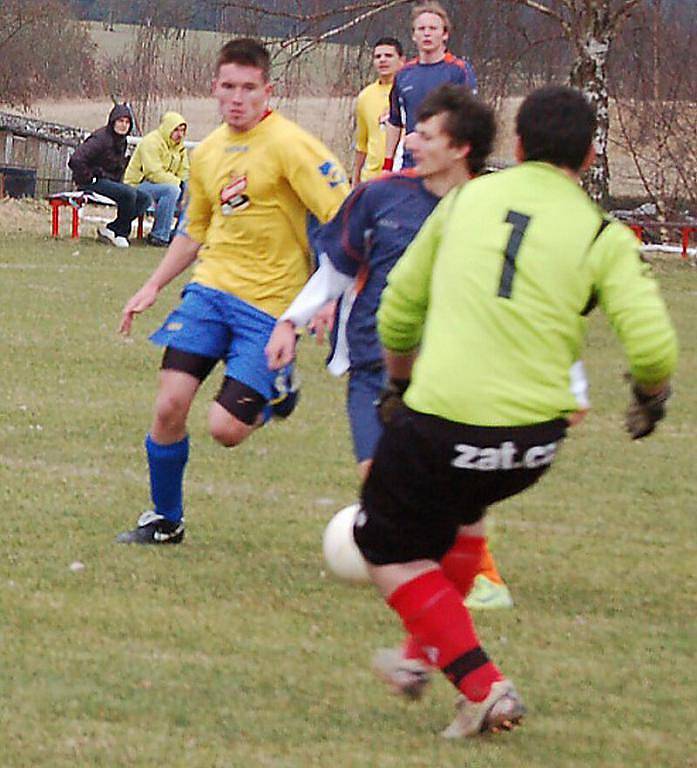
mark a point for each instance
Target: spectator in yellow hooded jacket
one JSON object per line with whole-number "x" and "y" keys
{"x": 159, "y": 167}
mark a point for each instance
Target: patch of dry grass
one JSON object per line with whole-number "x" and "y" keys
{"x": 24, "y": 216}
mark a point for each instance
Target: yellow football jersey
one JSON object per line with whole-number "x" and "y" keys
{"x": 372, "y": 111}
{"x": 250, "y": 199}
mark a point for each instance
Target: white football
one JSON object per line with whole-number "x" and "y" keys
{"x": 341, "y": 553}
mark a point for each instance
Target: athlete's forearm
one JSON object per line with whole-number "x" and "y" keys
{"x": 358, "y": 164}
{"x": 654, "y": 389}
{"x": 326, "y": 284}
{"x": 393, "y": 134}
{"x": 399, "y": 364}
{"x": 181, "y": 254}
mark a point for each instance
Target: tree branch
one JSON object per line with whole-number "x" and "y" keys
{"x": 374, "y": 9}
{"x": 549, "y": 12}
{"x": 21, "y": 22}
{"x": 621, "y": 14}
{"x": 373, "y": 6}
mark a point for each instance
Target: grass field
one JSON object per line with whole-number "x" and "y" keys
{"x": 235, "y": 650}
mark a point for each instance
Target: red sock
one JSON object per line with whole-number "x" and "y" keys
{"x": 432, "y": 611}
{"x": 462, "y": 562}
{"x": 412, "y": 650}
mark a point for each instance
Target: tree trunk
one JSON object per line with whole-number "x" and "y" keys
{"x": 589, "y": 73}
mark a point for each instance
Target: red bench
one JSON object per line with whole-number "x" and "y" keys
{"x": 685, "y": 230}
{"x": 75, "y": 201}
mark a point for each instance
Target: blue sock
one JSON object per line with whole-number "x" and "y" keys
{"x": 167, "y": 463}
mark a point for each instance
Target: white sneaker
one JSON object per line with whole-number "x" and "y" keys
{"x": 106, "y": 235}
{"x": 501, "y": 710}
{"x": 406, "y": 677}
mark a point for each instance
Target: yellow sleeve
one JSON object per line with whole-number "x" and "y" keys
{"x": 183, "y": 170}
{"x": 132, "y": 175}
{"x": 361, "y": 126}
{"x": 630, "y": 297}
{"x": 198, "y": 206}
{"x": 151, "y": 162}
{"x": 315, "y": 175}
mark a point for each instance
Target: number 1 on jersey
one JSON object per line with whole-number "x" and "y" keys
{"x": 520, "y": 223}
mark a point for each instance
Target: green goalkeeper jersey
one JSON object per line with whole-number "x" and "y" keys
{"x": 496, "y": 287}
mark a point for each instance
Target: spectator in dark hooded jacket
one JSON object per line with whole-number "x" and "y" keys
{"x": 98, "y": 165}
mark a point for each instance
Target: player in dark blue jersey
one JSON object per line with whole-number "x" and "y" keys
{"x": 359, "y": 247}
{"x": 433, "y": 66}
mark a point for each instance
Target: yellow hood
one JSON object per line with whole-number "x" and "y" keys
{"x": 170, "y": 120}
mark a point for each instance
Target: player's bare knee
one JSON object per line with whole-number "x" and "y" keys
{"x": 171, "y": 409}
{"x": 364, "y": 469}
{"x": 225, "y": 428}
{"x": 228, "y": 438}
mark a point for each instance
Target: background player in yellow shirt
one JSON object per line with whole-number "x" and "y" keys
{"x": 253, "y": 183}
{"x": 373, "y": 109}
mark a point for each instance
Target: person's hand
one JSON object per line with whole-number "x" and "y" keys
{"x": 390, "y": 400}
{"x": 575, "y": 418}
{"x": 280, "y": 348}
{"x": 138, "y": 303}
{"x": 645, "y": 411}
{"x": 323, "y": 321}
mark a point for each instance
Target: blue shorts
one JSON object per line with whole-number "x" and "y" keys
{"x": 364, "y": 387}
{"x": 217, "y": 324}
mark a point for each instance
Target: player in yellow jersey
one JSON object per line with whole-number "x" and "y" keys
{"x": 254, "y": 183}
{"x": 373, "y": 109}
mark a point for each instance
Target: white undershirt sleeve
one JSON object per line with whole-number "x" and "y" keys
{"x": 326, "y": 284}
{"x": 578, "y": 385}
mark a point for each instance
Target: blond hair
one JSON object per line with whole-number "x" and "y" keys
{"x": 430, "y": 7}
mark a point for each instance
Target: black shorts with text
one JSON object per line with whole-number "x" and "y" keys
{"x": 431, "y": 475}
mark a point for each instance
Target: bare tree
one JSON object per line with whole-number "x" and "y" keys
{"x": 514, "y": 44}
{"x": 590, "y": 27}
{"x": 28, "y": 28}
{"x": 656, "y": 109}
{"x": 146, "y": 78}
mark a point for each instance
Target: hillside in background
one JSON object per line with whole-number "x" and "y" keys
{"x": 275, "y": 18}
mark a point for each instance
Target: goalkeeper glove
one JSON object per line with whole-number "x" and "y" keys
{"x": 390, "y": 400}
{"x": 645, "y": 411}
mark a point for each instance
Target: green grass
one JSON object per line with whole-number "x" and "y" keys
{"x": 235, "y": 649}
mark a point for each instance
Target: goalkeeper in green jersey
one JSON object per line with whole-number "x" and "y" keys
{"x": 493, "y": 292}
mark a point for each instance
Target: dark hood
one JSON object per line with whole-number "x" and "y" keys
{"x": 120, "y": 110}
